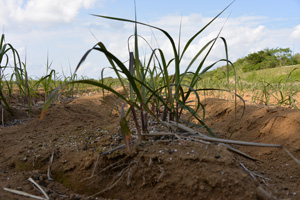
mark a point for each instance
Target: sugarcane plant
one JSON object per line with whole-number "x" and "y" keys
{"x": 149, "y": 88}
{"x": 5, "y": 49}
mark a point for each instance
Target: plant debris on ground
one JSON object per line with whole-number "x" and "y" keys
{"x": 161, "y": 167}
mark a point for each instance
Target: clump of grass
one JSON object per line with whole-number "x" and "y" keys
{"x": 149, "y": 88}
{"x": 281, "y": 92}
{"x": 5, "y": 49}
{"x": 48, "y": 80}
{"x": 15, "y": 84}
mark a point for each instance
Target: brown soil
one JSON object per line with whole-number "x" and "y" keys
{"x": 158, "y": 168}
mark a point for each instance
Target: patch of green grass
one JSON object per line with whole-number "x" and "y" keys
{"x": 273, "y": 75}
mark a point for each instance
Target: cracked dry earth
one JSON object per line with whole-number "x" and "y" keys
{"x": 159, "y": 167}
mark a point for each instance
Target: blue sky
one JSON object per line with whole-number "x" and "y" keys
{"x": 62, "y": 28}
{"x": 286, "y": 11}
{"x": 158, "y": 8}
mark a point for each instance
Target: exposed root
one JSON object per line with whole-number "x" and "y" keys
{"x": 129, "y": 176}
{"x": 116, "y": 181}
{"x": 162, "y": 172}
{"x": 95, "y": 166}
{"x": 106, "y": 168}
{"x": 106, "y": 153}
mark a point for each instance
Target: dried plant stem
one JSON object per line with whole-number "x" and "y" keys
{"x": 189, "y": 130}
{"x": 160, "y": 134}
{"x": 202, "y": 141}
{"x": 298, "y": 161}
{"x": 27, "y": 194}
{"x": 252, "y": 174}
{"x": 49, "y": 167}
{"x": 176, "y": 135}
{"x": 194, "y": 134}
{"x": 247, "y": 170}
{"x": 238, "y": 151}
{"x": 237, "y": 142}
{"x": 207, "y": 138}
{"x": 227, "y": 146}
{"x": 39, "y": 187}
{"x": 23, "y": 193}
{"x": 193, "y": 139}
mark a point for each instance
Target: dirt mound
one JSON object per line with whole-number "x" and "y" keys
{"x": 159, "y": 168}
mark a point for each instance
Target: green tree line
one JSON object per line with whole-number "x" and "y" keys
{"x": 267, "y": 58}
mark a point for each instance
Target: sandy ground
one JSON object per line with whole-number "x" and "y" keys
{"x": 157, "y": 168}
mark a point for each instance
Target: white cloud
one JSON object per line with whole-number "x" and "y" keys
{"x": 244, "y": 35}
{"x": 3, "y": 13}
{"x": 51, "y": 10}
{"x": 41, "y": 11}
{"x": 66, "y": 44}
{"x": 296, "y": 33}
